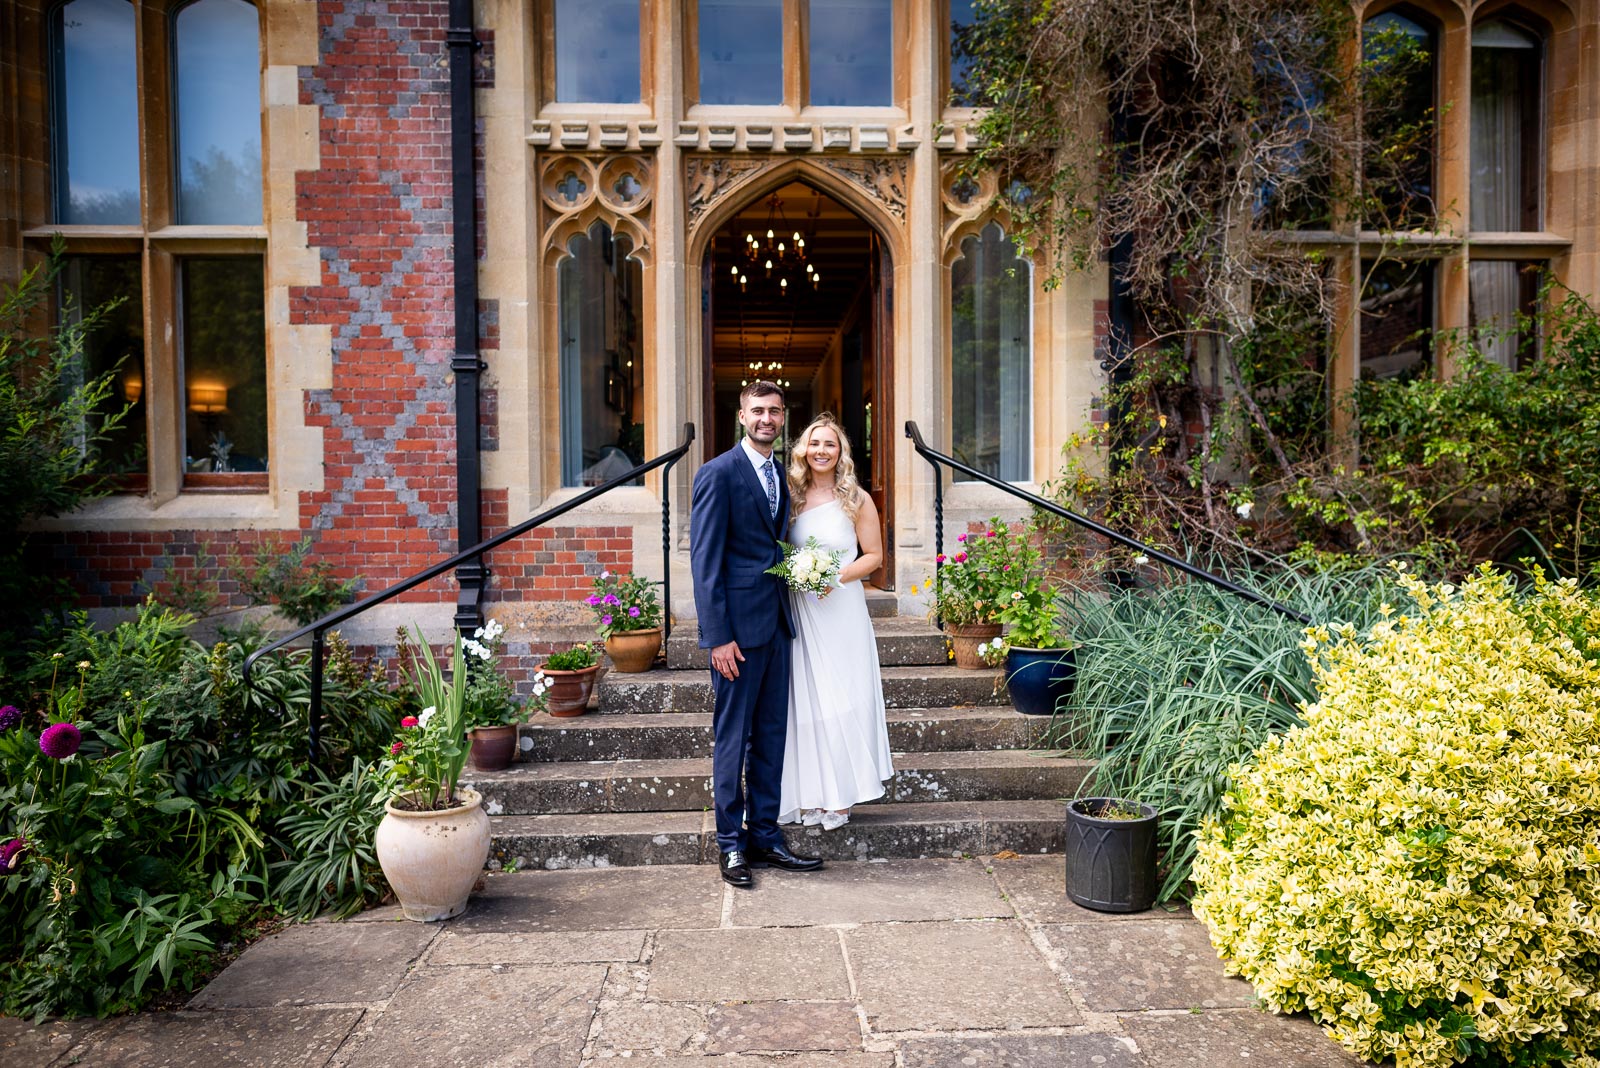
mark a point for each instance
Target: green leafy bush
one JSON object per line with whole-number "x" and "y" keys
{"x": 332, "y": 862}
{"x": 1417, "y": 865}
{"x": 575, "y": 659}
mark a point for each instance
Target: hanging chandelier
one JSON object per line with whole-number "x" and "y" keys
{"x": 775, "y": 256}
{"x": 771, "y": 370}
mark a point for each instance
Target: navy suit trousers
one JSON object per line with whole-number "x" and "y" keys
{"x": 750, "y": 723}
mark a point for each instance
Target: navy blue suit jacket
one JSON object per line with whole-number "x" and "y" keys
{"x": 733, "y": 539}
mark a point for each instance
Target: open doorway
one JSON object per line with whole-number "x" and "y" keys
{"x": 797, "y": 290}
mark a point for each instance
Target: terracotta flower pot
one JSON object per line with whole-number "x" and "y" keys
{"x": 492, "y": 748}
{"x": 569, "y": 691}
{"x": 965, "y": 639}
{"x": 432, "y": 858}
{"x": 633, "y": 650}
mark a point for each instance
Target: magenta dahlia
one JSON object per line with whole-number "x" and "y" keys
{"x": 11, "y": 855}
{"x": 10, "y": 717}
{"x": 60, "y": 740}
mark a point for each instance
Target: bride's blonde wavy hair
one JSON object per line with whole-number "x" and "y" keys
{"x": 845, "y": 486}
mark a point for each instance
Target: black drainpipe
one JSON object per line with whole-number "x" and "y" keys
{"x": 471, "y": 577}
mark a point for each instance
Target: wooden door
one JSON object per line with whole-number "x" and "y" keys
{"x": 880, "y": 380}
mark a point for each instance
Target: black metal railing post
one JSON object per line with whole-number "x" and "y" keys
{"x": 314, "y": 716}
{"x": 938, "y": 530}
{"x": 938, "y": 458}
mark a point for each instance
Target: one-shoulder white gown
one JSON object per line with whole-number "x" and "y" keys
{"x": 837, "y": 750}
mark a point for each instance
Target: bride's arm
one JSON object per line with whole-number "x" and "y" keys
{"x": 869, "y": 534}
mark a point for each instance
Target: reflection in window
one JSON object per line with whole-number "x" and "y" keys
{"x": 114, "y": 343}
{"x": 1504, "y": 297}
{"x": 1505, "y": 127}
{"x": 94, "y": 118}
{"x": 217, "y": 90}
{"x": 852, "y": 53}
{"x": 223, "y": 324}
{"x": 1398, "y": 113}
{"x": 602, "y": 369}
{"x": 1396, "y": 318}
{"x": 991, "y": 356}
{"x": 741, "y": 51}
{"x": 961, "y": 20}
{"x": 597, "y": 51}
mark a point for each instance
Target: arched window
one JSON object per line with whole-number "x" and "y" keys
{"x": 852, "y": 53}
{"x": 1399, "y": 60}
{"x": 991, "y": 356}
{"x": 597, "y": 51}
{"x": 602, "y": 372}
{"x": 216, "y": 75}
{"x": 94, "y": 118}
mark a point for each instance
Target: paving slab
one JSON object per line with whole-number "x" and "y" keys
{"x": 1236, "y": 1038}
{"x": 748, "y": 965}
{"x": 984, "y": 975}
{"x": 784, "y": 1026}
{"x": 758, "y": 1060}
{"x": 482, "y": 1017}
{"x": 658, "y": 1026}
{"x": 319, "y": 964}
{"x": 253, "y": 1038}
{"x": 551, "y": 947}
{"x": 1023, "y": 1051}
{"x": 24, "y": 1042}
{"x": 1157, "y": 964}
{"x": 596, "y": 899}
{"x": 1037, "y": 886}
{"x": 853, "y": 892}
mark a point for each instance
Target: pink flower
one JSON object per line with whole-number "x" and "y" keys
{"x": 409, "y": 721}
{"x": 961, "y": 558}
{"x": 60, "y": 740}
{"x": 989, "y": 534}
{"x": 939, "y": 559}
{"x": 961, "y": 537}
{"x": 397, "y": 748}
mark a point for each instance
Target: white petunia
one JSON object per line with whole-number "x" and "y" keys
{"x": 1243, "y": 509}
{"x": 427, "y": 714}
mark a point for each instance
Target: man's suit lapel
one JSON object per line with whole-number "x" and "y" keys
{"x": 751, "y": 479}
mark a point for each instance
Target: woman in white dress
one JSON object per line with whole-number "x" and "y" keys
{"x": 837, "y": 750}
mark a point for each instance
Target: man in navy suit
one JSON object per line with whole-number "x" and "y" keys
{"x": 741, "y": 510}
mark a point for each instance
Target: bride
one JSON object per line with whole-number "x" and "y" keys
{"x": 837, "y": 750}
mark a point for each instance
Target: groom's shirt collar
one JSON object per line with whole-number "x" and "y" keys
{"x": 756, "y": 459}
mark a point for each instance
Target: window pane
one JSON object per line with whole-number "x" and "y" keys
{"x": 961, "y": 18}
{"x": 852, "y": 53}
{"x": 114, "y": 343}
{"x": 217, "y": 71}
{"x": 597, "y": 51}
{"x": 991, "y": 356}
{"x": 1398, "y": 54}
{"x": 1505, "y": 128}
{"x": 95, "y": 119}
{"x": 602, "y": 373}
{"x": 741, "y": 51}
{"x": 1396, "y": 318}
{"x": 1504, "y": 298}
{"x": 224, "y": 365}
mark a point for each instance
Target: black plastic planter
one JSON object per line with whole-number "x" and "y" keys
{"x": 1111, "y": 863}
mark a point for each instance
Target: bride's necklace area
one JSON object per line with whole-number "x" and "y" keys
{"x": 818, "y": 495}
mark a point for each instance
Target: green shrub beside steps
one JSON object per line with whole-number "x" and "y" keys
{"x": 1418, "y": 866}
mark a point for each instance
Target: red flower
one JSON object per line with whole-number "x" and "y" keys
{"x": 990, "y": 534}
{"x": 394, "y": 750}
{"x": 409, "y": 721}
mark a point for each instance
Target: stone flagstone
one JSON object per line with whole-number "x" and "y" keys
{"x": 1234, "y": 1038}
{"x": 319, "y": 964}
{"x": 748, "y": 965}
{"x": 1157, "y": 964}
{"x": 846, "y": 892}
{"x": 1024, "y": 1051}
{"x": 784, "y": 1026}
{"x": 256, "y": 1038}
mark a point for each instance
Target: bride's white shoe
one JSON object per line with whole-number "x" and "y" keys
{"x": 832, "y": 821}
{"x": 811, "y": 817}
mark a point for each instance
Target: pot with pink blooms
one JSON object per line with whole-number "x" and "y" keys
{"x": 628, "y": 613}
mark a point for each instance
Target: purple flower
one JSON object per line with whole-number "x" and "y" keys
{"x": 593, "y": 598}
{"x": 634, "y": 612}
{"x": 605, "y": 621}
{"x": 11, "y": 855}
{"x": 60, "y": 740}
{"x": 10, "y": 717}
{"x": 611, "y": 598}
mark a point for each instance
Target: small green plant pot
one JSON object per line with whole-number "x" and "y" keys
{"x": 1111, "y": 862}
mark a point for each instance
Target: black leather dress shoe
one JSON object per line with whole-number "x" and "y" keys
{"x": 778, "y": 856}
{"x": 735, "y": 869}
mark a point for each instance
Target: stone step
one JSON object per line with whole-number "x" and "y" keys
{"x": 902, "y": 640}
{"x": 893, "y": 831}
{"x": 685, "y": 784}
{"x": 663, "y": 690}
{"x": 688, "y": 734}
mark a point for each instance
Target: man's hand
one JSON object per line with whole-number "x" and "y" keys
{"x": 725, "y": 660}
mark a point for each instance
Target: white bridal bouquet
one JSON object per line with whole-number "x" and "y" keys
{"x": 809, "y": 568}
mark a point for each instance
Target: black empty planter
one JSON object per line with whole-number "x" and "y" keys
{"x": 1111, "y": 863}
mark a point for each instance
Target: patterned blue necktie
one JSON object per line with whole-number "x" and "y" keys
{"x": 772, "y": 487}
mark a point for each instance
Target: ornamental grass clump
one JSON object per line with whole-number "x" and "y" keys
{"x": 1417, "y": 866}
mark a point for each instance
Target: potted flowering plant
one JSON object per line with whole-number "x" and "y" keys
{"x": 970, "y": 586}
{"x": 629, "y": 617}
{"x": 493, "y": 711}
{"x": 1035, "y": 652}
{"x": 434, "y": 838}
{"x": 570, "y": 675}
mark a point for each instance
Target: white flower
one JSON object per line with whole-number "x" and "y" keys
{"x": 1243, "y": 509}
{"x": 427, "y": 714}
{"x": 1016, "y": 595}
{"x": 494, "y": 629}
{"x": 605, "y": 574}
{"x": 1141, "y": 560}
{"x": 478, "y": 633}
{"x": 477, "y": 649}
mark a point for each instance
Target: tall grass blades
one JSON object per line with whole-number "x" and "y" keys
{"x": 1177, "y": 683}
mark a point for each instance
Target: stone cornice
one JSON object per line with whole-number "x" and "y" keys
{"x": 756, "y": 137}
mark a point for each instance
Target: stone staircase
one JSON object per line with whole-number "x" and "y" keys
{"x": 629, "y": 782}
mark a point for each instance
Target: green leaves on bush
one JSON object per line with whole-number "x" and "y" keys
{"x": 332, "y": 864}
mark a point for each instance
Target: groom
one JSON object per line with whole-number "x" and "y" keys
{"x": 741, "y": 510}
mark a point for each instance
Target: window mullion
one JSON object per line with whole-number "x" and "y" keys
{"x": 163, "y": 373}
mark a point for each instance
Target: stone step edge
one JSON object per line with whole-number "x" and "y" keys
{"x": 983, "y": 760}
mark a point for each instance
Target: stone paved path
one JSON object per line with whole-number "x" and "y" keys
{"x": 904, "y": 964}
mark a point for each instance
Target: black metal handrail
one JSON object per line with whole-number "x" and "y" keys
{"x": 316, "y": 629}
{"x": 935, "y": 459}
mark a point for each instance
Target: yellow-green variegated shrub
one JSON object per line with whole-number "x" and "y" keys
{"x": 1418, "y": 866}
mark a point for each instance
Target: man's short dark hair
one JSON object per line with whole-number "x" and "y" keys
{"x": 760, "y": 388}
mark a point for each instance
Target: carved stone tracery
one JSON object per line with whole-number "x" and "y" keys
{"x": 577, "y": 189}
{"x": 881, "y": 177}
